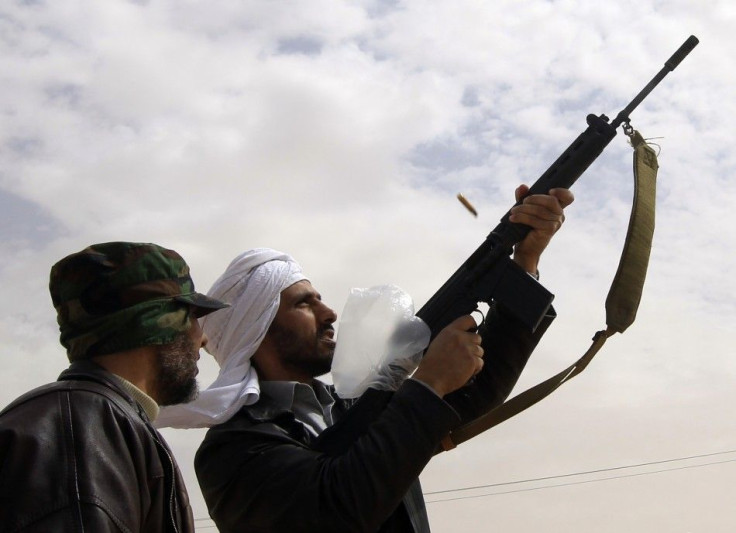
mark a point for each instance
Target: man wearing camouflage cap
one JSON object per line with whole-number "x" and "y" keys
{"x": 81, "y": 454}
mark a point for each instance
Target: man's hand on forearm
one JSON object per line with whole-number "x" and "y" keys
{"x": 544, "y": 214}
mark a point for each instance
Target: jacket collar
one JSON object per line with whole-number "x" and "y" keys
{"x": 277, "y": 398}
{"x": 86, "y": 370}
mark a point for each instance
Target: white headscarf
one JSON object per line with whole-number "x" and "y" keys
{"x": 252, "y": 285}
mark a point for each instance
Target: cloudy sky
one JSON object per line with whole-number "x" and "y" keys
{"x": 341, "y": 132}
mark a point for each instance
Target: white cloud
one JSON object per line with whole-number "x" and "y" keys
{"x": 341, "y": 132}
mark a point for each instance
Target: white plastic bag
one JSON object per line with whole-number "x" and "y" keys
{"x": 379, "y": 341}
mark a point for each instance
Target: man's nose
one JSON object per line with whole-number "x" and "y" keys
{"x": 198, "y": 332}
{"x": 327, "y": 315}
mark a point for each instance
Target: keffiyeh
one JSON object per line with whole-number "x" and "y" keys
{"x": 252, "y": 285}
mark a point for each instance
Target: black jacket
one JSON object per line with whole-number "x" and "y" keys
{"x": 80, "y": 455}
{"x": 261, "y": 471}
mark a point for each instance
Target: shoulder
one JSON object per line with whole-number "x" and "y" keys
{"x": 86, "y": 414}
{"x": 81, "y": 393}
{"x": 74, "y": 445}
{"x": 245, "y": 435}
{"x": 256, "y": 422}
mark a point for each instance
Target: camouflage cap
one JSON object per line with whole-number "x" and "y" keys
{"x": 120, "y": 295}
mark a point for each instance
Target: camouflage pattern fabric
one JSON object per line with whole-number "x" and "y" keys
{"x": 117, "y": 296}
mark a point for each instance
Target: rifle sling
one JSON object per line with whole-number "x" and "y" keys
{"x": 621, "y": 304}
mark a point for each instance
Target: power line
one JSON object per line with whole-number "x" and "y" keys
{"x": 579, "y": 482}
{"x": 561, "y": 476}
{"x": 548, "y": 478}
{"x": 581, "y": 473}
{"x": 208, "y": 524}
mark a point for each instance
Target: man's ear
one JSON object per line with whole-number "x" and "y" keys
{"x": 263, "y": 358}
{"x": 255, "y": 362}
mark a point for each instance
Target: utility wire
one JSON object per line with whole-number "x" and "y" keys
{"x": 208, "y": 524}
{"x": 561, "y": 476}
{"x": 548, "y": 478}
{"x": 580, "y": 473}
{"x": 579, "y": 482}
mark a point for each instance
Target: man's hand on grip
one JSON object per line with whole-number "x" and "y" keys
{"x": 453, "y": 357}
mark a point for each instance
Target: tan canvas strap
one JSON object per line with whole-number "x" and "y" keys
{"x": 623, "y": 298}
{"x": 621, "y": 304}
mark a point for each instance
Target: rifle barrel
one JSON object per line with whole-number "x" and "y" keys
{"x": 669, "y": 66}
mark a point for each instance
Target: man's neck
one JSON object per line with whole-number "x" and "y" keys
{"x": 147, "y": 403}
{"x": 136, "y": 366}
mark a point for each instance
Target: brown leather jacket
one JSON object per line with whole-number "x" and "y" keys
{"x": 81, "y": 455}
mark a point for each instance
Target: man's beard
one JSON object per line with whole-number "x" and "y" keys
{"x": 306, "y": 354}
{"x": 177, "y": 371}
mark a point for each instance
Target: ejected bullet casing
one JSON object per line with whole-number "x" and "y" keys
{"x": 467, "y": 204}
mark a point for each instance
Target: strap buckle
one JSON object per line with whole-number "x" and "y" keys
{"x": 628, "y": 128}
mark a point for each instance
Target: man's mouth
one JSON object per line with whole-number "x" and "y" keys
{"x": 328, "y": 335}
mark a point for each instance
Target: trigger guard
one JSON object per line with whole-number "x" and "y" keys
{"x": 482, "y": 318}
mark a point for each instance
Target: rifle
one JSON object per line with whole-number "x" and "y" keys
{"x": 489, "y": 274}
